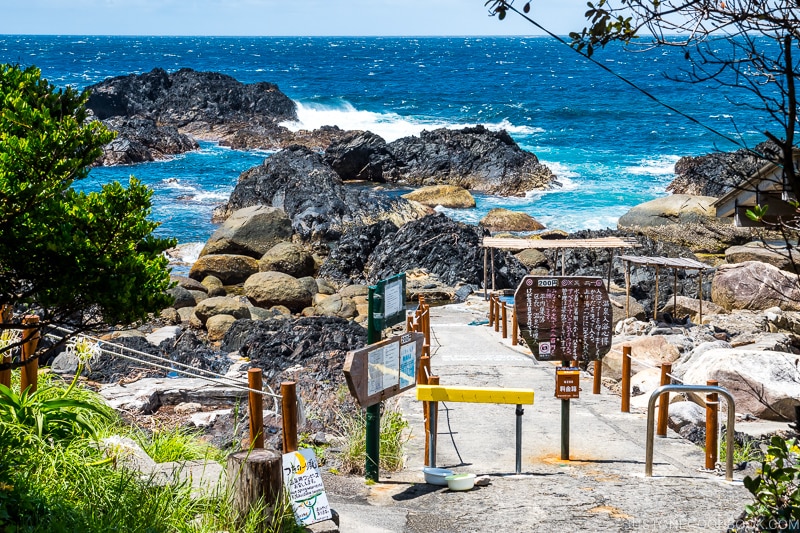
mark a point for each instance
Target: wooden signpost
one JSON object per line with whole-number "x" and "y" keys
{"x": 566, "y": 319}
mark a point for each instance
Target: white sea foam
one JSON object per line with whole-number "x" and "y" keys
{"x": 390, "y": 126}
{"x": 660, "y": 166}
{"x": 186, "y": 253}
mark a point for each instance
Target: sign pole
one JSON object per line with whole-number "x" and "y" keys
{"x": 373, "y": 435}
{"x": 565, "y": 423}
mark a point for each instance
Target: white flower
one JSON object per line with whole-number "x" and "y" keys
{"x": 9, "y": 337}
{"x": 84, "y": 349}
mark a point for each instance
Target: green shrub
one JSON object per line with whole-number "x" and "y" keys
{"x": 393, "y": 439}
{"x": 776, "y": 488}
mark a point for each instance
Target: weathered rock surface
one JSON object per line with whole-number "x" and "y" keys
{"x": 228, "y": 268}
{"x": 221, "y": 305}
{"x": 140, "y": 139}
{"x": 717, "y": 173}
{"x": 442, "y": 195}
{"x": 474, "y": 158}
{"x": 777, "y": 256}
{"x": 250, "y": 231}
{"x": 672, "y": 209}
{"x": 267, "y": 289}
{"x": 349, "y": 256}
{"x": 763, "y": 383}
{"x": 447, "y": 250}
{"x": 288, "y": 258}
{"x": 756, "y": 286}
{"x": 645, "y": 351}
{"x": 682, "y": 307}
{"x": 500, "y": 219}
{"x": 532, "y": 258}
{"x": 298, "y": 181}
{"x": 359, "y": 155}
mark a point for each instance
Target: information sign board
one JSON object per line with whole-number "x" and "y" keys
{"x": 304, "y": 482}
{"x": 387, "y": 302}
{"x": 384, "y": 369}
{"x": 564, "y": 318}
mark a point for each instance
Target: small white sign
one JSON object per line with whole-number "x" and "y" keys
{"x": 302, "y": 478}
{"x": 393, "y": 298}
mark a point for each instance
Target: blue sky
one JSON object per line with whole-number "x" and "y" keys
{"x": 279, "y": 17}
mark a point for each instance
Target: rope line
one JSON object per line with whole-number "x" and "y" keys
{"x": 212, "y": 377}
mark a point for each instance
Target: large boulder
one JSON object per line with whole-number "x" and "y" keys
{"x": 140, "y": 139}
{"x": 447, "y": 250}
{"x": 681, "y": 306}
{"x": 776, "y": 255}
{"x": 500, "y": 219}
{"x": 450, "y": 196}
{"x": 298, "y": 181}
{"x": 230, "y": 269}
{"x": 268, "y": 289}
{"x": 756, "y": 286}
{"x": 474, "y": 158}
{"x": 672, "y": 209}
{"x": 288, "y": 258}
{"x": 250, "y": 231}
{"x": 762, "y": 383}
{"x": 645, "y": 352}
{"x": 221, "y": 305}
{"x": 359, "y": 155}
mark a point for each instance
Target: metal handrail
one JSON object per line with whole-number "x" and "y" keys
{"x": 729, "y": 431}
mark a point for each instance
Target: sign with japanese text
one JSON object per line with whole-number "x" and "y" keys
{"x": 303, "y": 480}
{"x": 383, "y": 369}
{"x": 568, "y": 382}
{"x": 564, "y": 318}
{"x": 387, "y": 302}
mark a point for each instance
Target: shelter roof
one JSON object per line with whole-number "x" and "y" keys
{"x": 602, "y": 242}
{"x": 671, "y": 262}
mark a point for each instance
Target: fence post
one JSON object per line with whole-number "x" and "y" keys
{"x": 29, "y": 373}
{"x": 255, "y": 404}
{"x": 491, "y": 310}
{"x": 505, "y": 321}
{"x": 496, "y": 312}
{"x": 289, "y": 415}
{"x": 255, "y": 477}
{"x": 598, "y": 376}
{"x": 514, "y": 326}
{"x": 626, "y": 378}
{"x": 5, "y": 375}
{"x": 663, "y": 401}
{"x": 712, "y": 410}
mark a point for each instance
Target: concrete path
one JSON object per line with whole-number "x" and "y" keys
{"x": 601, "y": 488}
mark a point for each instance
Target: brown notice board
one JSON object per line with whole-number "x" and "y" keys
{"x": 564, "y": 318}
{"x": 384, "y": 369}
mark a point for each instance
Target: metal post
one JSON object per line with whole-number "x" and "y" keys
{"x": 433, "y": 408}
{"x": 626, "y": 378}
{"x": 598, "y": 376}
{"x": 729, "y": 431}
{"x": 712, "y": 409}
{"x": 373, "y": 419}
{"x": 519, "y": 412}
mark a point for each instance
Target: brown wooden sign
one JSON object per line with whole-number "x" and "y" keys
{"x": 568, "y": 382}
{"x": 564, "y": 318}
{"x": 384, "y": 369}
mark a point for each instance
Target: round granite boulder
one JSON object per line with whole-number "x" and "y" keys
{"x": 268, "y": 289}
{"x": 500, "y": 219}
{"x": 450, "y": 196}
{"x": 250, "y": 231}
{"x": 288, "y": 258}
{"x": 229, "y": 269}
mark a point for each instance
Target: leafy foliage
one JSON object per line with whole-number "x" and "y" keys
{"x": 776, "y": 488}
{"x": 72, "y": 257}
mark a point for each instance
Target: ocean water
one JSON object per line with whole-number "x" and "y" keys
{"x": 609, "y": 145}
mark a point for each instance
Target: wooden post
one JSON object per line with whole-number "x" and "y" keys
{"x": 563, "y": 261}
{"x": 655, "y": 300}
{"x": 626, "y": 378}
{"x": 29, "y": 373}
{"x": 491, "y": 310}
{"x": 496, "y": 312}
{"x": 255, "y": 477}
{"x": 663, "y": 401}
{"x": 598, "y": 376}
{"x": 712, "y": 410}
{"x": 627, "y": 289}
{"x": 492, "y": 254}
{"x": 5, "y": 375}
{"x": 289, "y": 415}
{"x": 485, "y": 273}
{"x": 255, "y": 404}
{"x": 675, "y": 293}
{"x": 514, "y": 326}
{"x": 505, "y": 321}
{"x": 700, "y": 292}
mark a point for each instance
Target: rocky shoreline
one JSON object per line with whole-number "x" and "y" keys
{"x": 282, "y": 283}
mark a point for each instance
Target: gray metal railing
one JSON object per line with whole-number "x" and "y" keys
{"x": 729, "y": 430}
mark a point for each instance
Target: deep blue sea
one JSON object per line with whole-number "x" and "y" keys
{"x": 609, "y": 145}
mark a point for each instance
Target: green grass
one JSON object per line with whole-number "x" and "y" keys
{"x": 393, "y": 439}
{"x": 69, "y": 485}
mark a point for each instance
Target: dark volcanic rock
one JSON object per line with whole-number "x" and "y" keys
{"x": 475, "y": 158}
{"x": 346, "y": 261}
{"x": 187, "y": 96}
{"x": 298, "y": 181}
{"x": 360, "y": 155}
{"x": 318, "y": 344}
{"x": 139, "y": 140}
{"x": 718, "y": 173}
{"x": 449, "y": 250}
